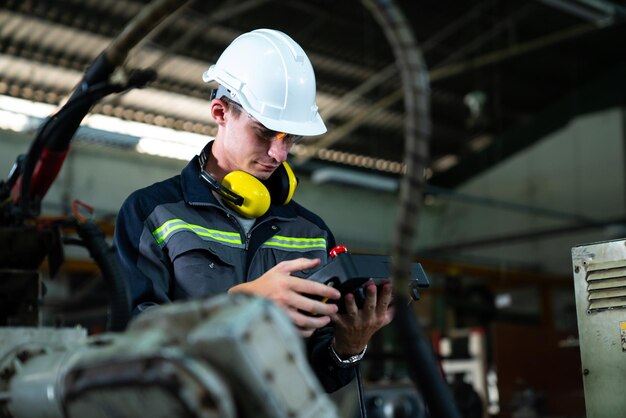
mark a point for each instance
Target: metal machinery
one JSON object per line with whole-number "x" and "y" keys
{"x": 464, "y": 362}
{"x": 228, "y": 356}
{"x": 600, "y": 286}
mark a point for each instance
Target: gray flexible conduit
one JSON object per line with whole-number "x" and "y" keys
{"x": 420, "y": 359}
{"x": 414, "y": 75}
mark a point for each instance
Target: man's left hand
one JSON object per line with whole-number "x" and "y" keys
{"x": 355, "y": 327}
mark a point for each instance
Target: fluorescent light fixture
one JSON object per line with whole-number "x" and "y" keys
{"x": 24, "y": 115}
{"x": 445, "y": 163}
{"x": 168, "y": 149}
{"x": 354, "y": 178}
{"x": 21, "y": 115}
{"x": 154, "y": 140}
{"x": 480, "y": 143}
{"x": 26, "y": 107}
{"x": 16, "y": 122}
{"x": 503, "y": 300}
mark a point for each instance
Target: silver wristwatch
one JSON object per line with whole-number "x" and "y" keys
{"x": 350, "y": 361}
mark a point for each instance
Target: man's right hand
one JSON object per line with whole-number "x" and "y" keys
{"x": 288, "y": 292}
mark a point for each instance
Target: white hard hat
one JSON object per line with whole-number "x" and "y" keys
{"x": 269, "y": 74}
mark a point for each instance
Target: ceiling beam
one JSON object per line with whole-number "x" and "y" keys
{"x": 340, "y": 132}
{"x": 201, "y": 25}
{"x": 448, "y": 71}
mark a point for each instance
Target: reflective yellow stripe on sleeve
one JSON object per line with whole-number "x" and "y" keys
{"x": 163, "y": 233}
{"x": 296, "y": 244}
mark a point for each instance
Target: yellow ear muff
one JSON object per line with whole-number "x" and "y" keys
{"x": 281, "y": 184}
{"x": 256, "y": 197}
{"x": 293, "y": 182}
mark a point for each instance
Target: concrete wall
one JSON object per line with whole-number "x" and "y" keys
{"x": 100, "y": 176}
{"x": 577, "y": 171}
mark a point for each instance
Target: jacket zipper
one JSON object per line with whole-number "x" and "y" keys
{"x": 248, "y": 236}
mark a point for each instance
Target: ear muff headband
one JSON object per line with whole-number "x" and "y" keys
{"x": 221, "y": 190}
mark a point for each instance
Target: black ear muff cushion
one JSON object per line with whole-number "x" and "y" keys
{"x": 281, "y": 185}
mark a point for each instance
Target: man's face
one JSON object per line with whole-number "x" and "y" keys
{"x": 250, "y": 147}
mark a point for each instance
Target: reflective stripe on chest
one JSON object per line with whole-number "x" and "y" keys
{"x": 163, "y": 233}
{"x": 295, "y": 244}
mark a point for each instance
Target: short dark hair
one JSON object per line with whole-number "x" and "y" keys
{"x": 235, "y": 107}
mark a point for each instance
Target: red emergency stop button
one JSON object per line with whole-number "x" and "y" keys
{"x": 338, "y": 250}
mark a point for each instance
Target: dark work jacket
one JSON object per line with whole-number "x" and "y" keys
{"x": 176, "y": 241}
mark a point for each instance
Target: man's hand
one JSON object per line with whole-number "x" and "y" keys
{"x": 355, "y": 327}
{"x": 288, "y": 292}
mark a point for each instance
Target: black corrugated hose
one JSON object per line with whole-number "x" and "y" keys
{"x": 103, "y": 254}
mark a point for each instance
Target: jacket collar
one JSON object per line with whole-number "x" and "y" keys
{"x": 195, "y": 190}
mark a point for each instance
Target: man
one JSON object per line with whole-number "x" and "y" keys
{"x": 187, "y": 237}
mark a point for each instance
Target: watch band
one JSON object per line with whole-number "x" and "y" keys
{"x": 350, "y": 361}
